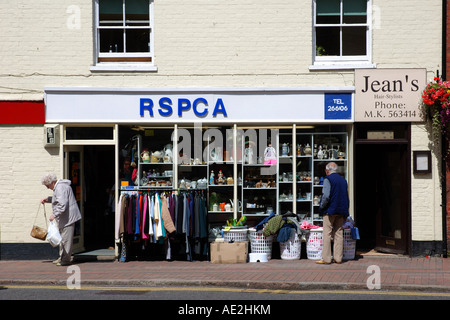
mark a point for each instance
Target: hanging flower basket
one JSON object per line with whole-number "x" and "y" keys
{"x": 436, "y": 106}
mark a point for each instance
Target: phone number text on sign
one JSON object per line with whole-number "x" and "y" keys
{"x": 338, "y": 106}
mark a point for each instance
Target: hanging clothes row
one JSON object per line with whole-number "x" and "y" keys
{"x": 176, "y": 221}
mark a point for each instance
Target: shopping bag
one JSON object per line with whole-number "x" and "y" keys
{"x": 53, "y": 235}
{"x": 355, "y": 233}
{"x": 36, "y": 231}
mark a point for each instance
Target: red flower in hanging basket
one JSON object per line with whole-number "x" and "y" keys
{"x": 436, "y": 105}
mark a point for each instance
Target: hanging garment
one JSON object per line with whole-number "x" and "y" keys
{"x": 180, "y": 214}
{"x": 150, "y": 216}
{"x": 158, "y": 222}
{"x": 153, "y": 220}
{"x": 167, "y": 219}
{"x": 130, "y": 221}
{"x": 137, "y": 217}
{"x": 144, "y": 233}
{"x": 186, "y": 227}
{"x": 160, "y": 216}
{"x": 120, "y": 216}
{"x": 171, "y": 207}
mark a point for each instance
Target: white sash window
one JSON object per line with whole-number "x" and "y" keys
{"x": 123, "y": 35}
{"x": 342, "y": 32}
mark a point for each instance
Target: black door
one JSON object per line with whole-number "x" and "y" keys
{"x": 382, "y": 201}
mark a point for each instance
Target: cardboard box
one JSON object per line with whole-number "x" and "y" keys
{"x": 224, "y": 252}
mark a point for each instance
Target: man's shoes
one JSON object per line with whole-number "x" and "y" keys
{"x": 63, "y": 264}
{"x": 323, "y": 262}
{"x": 57, "y": 261}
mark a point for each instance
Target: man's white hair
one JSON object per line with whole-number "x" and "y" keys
{"x": 332, "y": 167}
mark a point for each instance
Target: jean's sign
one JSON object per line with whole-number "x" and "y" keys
{"x": 388, "y": 95}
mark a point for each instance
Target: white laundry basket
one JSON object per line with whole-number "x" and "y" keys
{"x": 314, "y": 244}
{"x": 291, "y": 249}
{"x": 259, "y": 243}
{"x": 235, "y": 234}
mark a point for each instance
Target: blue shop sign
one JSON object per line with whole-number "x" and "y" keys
{"x": 338, "y": 106}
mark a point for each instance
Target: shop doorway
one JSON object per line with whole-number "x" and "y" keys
{"x": 91, "y": 170}
{"x": 382, "y": 193}
{"x": 99, "y": 197}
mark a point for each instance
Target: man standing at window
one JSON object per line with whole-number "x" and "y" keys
{"x": 334, "y": 208}
{"x": 66, "y": 213}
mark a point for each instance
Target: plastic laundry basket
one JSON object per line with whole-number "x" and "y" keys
{"x": 235, "y": 234}
{"x": 314, "y": 244}
{"x": 259, "y": 243}
{"x": 291, "y": 249}
{"x": 349, "y": 245}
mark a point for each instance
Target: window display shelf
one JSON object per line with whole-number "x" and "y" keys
{"x": 291, "y": 182}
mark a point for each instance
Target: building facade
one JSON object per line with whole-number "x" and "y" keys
{"x": 81, "y": 81}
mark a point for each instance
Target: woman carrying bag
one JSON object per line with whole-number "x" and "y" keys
{"x": 65, "y": 212}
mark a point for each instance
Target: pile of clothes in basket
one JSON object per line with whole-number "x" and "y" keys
{"x": 282, "y": 225}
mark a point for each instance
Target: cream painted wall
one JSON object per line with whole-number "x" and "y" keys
{"x": 198, "y": 43}
{"x": 214, "y": 43}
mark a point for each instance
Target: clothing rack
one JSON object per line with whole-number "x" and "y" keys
{"x": 149, "y": 218}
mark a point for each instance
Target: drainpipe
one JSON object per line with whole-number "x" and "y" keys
{"x": 443, "y": 144}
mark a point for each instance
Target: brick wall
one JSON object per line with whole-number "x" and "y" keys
{"x": 23, "y": 161}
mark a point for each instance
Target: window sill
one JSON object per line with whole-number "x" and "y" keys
{"x": 123, "y": 67}
{"x": 341, "y": 65}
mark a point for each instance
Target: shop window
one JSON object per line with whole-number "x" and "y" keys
{"x": 89, "y": 133}
{"x": 342, "y": 33}
{"x": 123, "y": 33}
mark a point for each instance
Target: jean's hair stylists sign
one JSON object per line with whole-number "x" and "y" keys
{"x": 388, "y": 95}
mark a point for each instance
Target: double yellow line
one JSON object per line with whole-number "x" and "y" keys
{"x": 205, "y": 289}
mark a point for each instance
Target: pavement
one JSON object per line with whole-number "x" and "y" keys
{"x": 391, "y": 272}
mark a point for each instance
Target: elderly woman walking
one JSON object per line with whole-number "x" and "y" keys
{"x": 66, "y": 213}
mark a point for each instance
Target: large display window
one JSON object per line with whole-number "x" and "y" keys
{"x": 243, "y": 171}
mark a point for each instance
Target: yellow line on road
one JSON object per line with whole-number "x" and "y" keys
{"x": 205, "y": 289}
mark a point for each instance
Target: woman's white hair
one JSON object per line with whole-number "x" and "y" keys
{"x": 48, "y": 179}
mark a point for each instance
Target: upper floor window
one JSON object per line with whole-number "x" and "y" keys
{"x": 124, "y": 32}
{"x": 342, "y": 32}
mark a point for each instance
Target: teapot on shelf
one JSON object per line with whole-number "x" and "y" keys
{"x": 145, "y": 155}
{"x": 156, "y": 156}
{"x": 285, "y": 149}
{"x": 168, "y": 153}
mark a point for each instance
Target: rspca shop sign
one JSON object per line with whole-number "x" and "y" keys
{"x": 221, "y": 105}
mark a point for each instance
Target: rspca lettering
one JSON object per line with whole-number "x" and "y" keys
{"x": 165, "y": 107}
